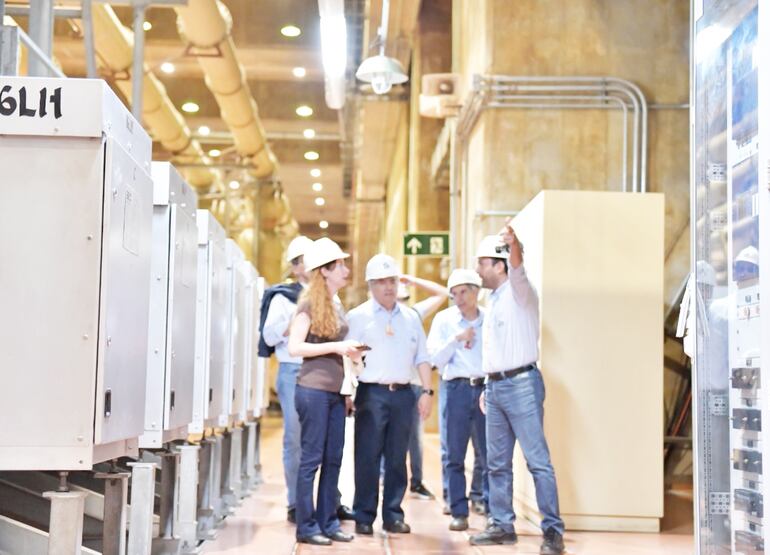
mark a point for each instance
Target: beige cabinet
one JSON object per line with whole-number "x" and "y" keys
{"x": 596, "y": 260}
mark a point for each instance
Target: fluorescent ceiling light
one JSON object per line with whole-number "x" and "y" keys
{"x": 167, "y": 67}
{"x": 215, "y": 152}
{"x": 204, "y": 130}
{"x": 309, "y": 133}
{"x": 323, "y": 224}
{"x": 291, "y": 31}
{"x": 146, "y": 25}
{"x": 318, "y": 187}
{"x": 304, "y": 111}
{"x": 319, "y": 201}
{"x": 311, "y": 155}
{"x": 234, "y": 185}
{"x": 315, "y": 172}
{"x": 299, "y": 72}
{"x": 190, "y": 107}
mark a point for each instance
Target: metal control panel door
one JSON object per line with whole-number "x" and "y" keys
{"x": 234, "y": 258}
{"x": 241, "y": 331}
{"x": 220, "y": 327}
{"x": 124, "y": 298}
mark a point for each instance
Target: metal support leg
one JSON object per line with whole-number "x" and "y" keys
{"x": 205, "y": 507}
{"x": 216, "y": 478}
{"x": 233, "y": 495}
{"x": 225, "y": 468}
{"x": 168, "y": 479}
{"x": 186, "y": 522}
{"x": 115, "y": 512}
{"x": 257, "y": 454}
{"x": 249, "y": 471}
{"x": 65, "y": 533}
{"x": 142, "y": 504}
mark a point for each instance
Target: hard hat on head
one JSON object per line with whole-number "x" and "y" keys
{"x": 705, "y": 274}
{"x": 463, "y": 276}
{"x": 381, "y": 266}
{"x": 322, "y": 251}
{"x": 298, "y": 247}
{"x": 492, "y": 246}
{"x": 750, "y": 254}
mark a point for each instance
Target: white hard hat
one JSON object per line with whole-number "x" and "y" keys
{"x": 298, "y": 247}
{"x": 322, "y": 251}
{"x": 750, "y": 254}
{"x": 705, "y": 274}
{"x": 381, "y": 266}
{"x": 463, "y": 276}
{"x": 492, "y": 246}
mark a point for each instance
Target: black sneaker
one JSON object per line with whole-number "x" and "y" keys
{"x": 421, "y": 492}
{"x": 553, "y": 543}
{"x": 291, "y": 515}
{"x": 494, "y": 535}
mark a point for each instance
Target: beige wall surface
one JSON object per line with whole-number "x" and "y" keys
{"x": 596, "y": 260}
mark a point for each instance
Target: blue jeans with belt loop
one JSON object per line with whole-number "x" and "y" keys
{"x": 515, "y": 413}
{"x": 464, "y": 420}
{"x": 285, "y": 385}
{"x": 322, "y": 421}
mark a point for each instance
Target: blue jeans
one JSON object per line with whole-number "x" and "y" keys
{"x": 415, "y": 442}
{"x": 322, "y": 421}
{"x": 383, "y": 421}
{"x": 464, "y": 420}
{"x": 286, "y": 383}
{"x": 515, "y": 413}
{"x": 479, "y": 454}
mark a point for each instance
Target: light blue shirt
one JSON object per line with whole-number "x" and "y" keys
{"x": 450, "y": 356}
{"x": 279, "y": 315}
{"x": 392, "y": 356}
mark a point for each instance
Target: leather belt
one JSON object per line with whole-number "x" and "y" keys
{"x": 497, "y": 376}
{"x": 388, "y": 386}
{"x": 472, "y": 381}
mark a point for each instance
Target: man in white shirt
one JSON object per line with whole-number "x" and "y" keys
{"x": 514, "y": 393}
{"x": 454, "y": 345}
{"x": 384, "y": 398}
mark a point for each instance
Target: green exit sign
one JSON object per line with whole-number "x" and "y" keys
{"x": 429, "y": 243}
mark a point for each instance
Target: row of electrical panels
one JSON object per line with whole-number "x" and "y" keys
{"x": 129, "y": 320}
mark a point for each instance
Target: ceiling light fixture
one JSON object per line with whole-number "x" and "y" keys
{"x": 190, "y": 107}
{"x": 167, "y": 68}
{"x": 204, "y": 130}
{"x": 382, "y": 71}
{"x": 334, "y": 50}
{"x": 299, "y": 72}
{"x": 291, "y": 31}
{"x": 146, "y": 25}
{"x": 311, "y": 155}
{"x": 304, "y": 111}
{"x": 320, "y": 201}
{"x": 318, "y": 187}
{"x": 215, "y": 152}
{"x": 234, "y": 185}
{"x": 309, "y": 133}
{"x": 323, "y": 224}
{"x": 315, "y": 172}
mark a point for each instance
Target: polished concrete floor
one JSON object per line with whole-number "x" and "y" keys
{"x": 259, "y": 526}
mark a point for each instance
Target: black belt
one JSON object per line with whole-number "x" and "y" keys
{"x": 497, "y": 376}
{"x": 472, "y": 381}
{"x": 388, "y": 386}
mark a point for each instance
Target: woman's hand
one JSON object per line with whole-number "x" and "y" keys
{"x": 349, "y": 348}
{"x": 349, "y": 407}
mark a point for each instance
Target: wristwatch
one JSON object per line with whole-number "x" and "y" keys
{"x": 427, "y": 392}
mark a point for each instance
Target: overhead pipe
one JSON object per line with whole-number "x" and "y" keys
{"x": 206, "y": 26}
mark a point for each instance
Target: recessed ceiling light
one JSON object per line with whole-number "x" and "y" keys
{"x": 190, "y": 107}
{"x": 309, "y": 133}
{"x": 214, "y": 152}
{"x": 317, "y": 187}
{"x": 323, "y": 224}
{"x": 311, "y": 155}
{"x": 291, "y": 31}
{"x": 234, "y": 185}
{"x": 304, "y": 111}
{"x": 204, "y": 130}
{"x": 299, "y": 72}
{"x": 146, "y": 25}
{"x": 315, "y": 172}
{"x": 320, "y": 201}
{"x": 167, "y": 67}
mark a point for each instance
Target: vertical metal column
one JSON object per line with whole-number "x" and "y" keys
{"x": 186, "y": 521}
{"x": 88, "y": 38}
{"x": 65, "y": 533}
{"x": 142, "y": 506}
{"x": 9, "y": 49}
{"x": 41, "y": 33}
{"x": 137, "y": 72}
{"x": 115, "y": 512}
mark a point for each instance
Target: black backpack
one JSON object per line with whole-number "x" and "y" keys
{"x": 291, "y": 291}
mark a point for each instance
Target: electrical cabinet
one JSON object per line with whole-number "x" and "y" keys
{"x": 76, "y": 222}
{"x": 171, "y": 337}
{"x": 729, "y": 192}
{"x": 233, "y": 294}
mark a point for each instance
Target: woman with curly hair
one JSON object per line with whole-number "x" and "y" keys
{"x": 317, "y": 335}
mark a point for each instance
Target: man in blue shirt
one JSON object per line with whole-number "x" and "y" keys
{"x": 384, "y": 399}
{"x": 454, "y": 344}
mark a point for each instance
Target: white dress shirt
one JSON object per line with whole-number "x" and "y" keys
{"x": 392, "y": 356}
{"x": 279, "y": 316}
{"x": 511, "y": 324}
{"x": 450, "y": 356}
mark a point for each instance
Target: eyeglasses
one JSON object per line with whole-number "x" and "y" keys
{"x": 296, "y": 261}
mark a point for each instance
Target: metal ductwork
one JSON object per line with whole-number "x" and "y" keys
{"x": 114, "y": 44}
{"x": 206, "y": 26}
